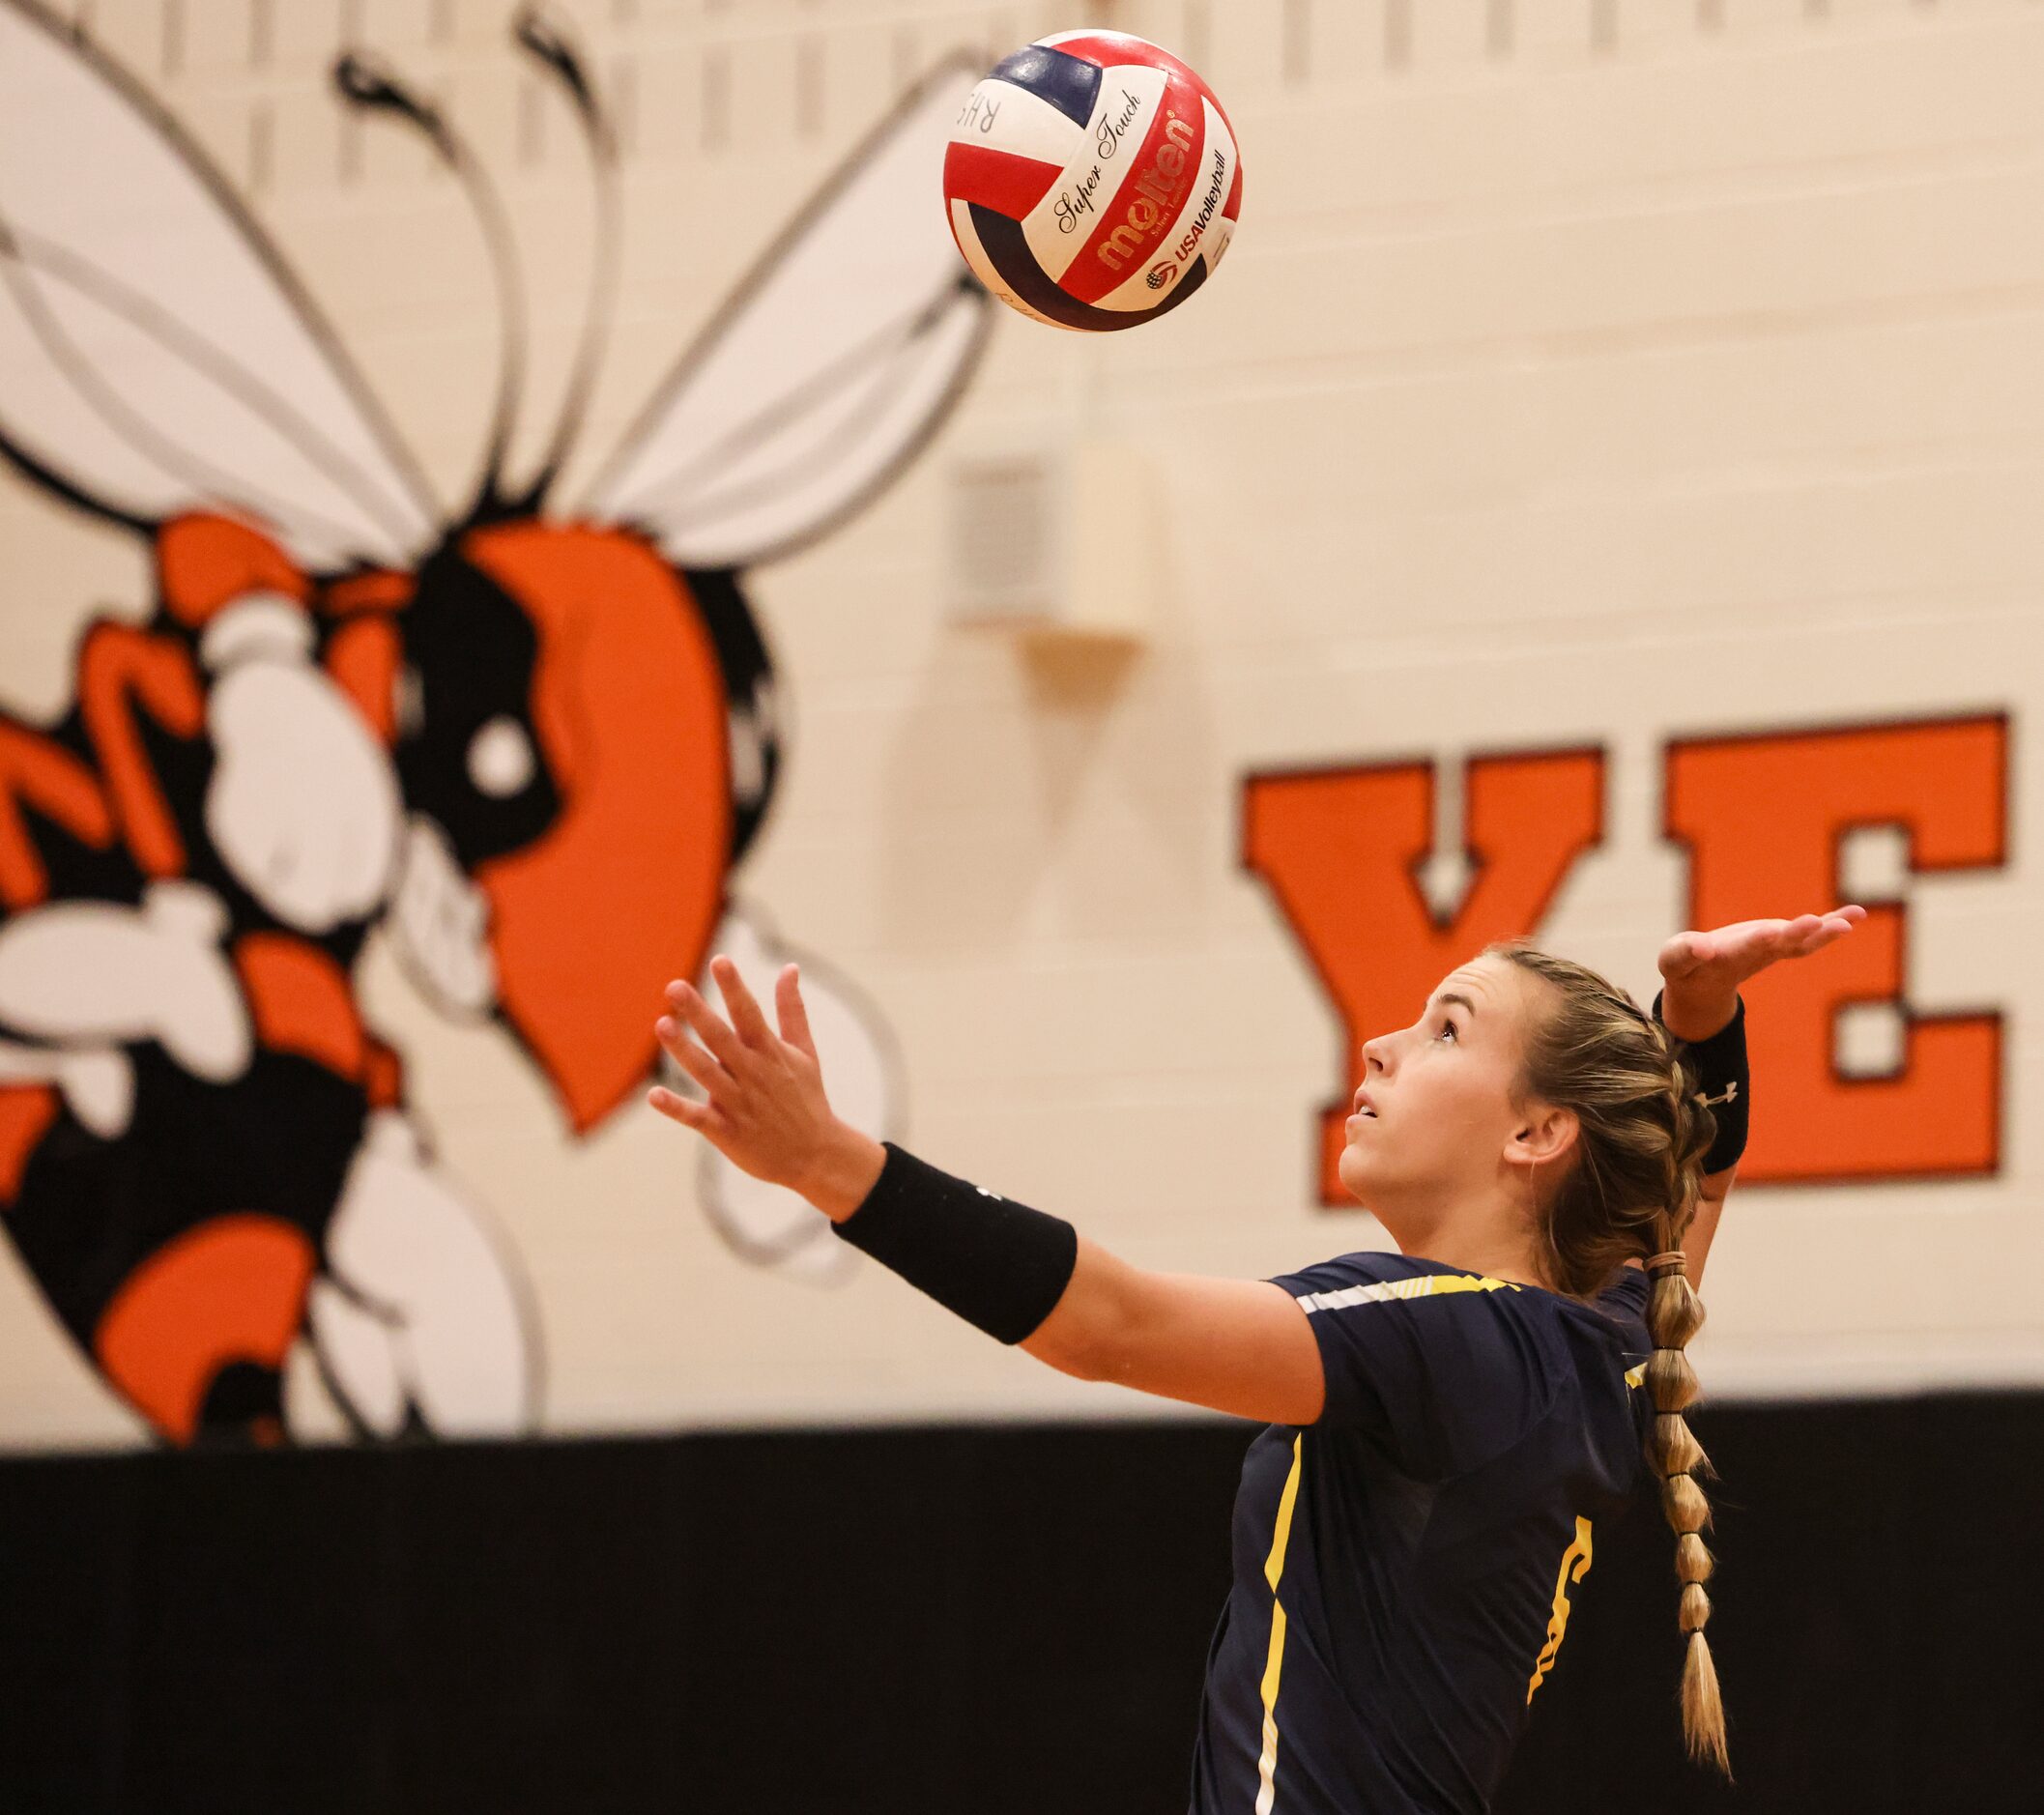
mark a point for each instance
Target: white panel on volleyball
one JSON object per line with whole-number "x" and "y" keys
{"x": 1017, "y": 121}
{"x": 1208, "y": 197}
{"x": 983, "y": 267}
{"x": 1058, "y": 226}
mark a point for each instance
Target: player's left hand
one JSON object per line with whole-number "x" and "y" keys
{"x": 1701, "y": 971}
{"x": 763, "y": 1107}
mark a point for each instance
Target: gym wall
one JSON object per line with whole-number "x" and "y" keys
{"x": 1596, "y": 494}
{"x": 1639, "y": 408}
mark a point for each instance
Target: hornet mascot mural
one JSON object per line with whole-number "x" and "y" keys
{"x": 527, "y": 745}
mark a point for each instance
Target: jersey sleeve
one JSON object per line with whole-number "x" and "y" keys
{"x": 1624, "y": 1301}
{"x": 1627, "y": 1295}
{"x": 1435, "y": 1367}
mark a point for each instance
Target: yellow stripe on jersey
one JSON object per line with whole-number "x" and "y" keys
{"x": 1576, "y": 1555}
{"x": 1419, "y": 1285}
{"x": 1636, "y": 1376}
{"x": 1273, "y": 1568}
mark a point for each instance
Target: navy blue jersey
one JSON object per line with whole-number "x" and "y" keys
{"x": 1404, "y": 1567}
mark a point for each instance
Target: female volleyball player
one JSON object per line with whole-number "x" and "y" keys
{"x": 1446, "y": 1432}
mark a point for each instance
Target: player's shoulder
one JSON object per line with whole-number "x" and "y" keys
{"x": 1378, "y": 1276}
{"x": 1610, "y": 1329}
{"x": 1626, "y": 1294}
{"x": 1365, "y": 1266}
{"x": 1373, "y": 1276}
{"x": 1616, "y": 1313}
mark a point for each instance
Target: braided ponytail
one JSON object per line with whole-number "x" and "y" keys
{"x": 1643, "y": 1135}
{"x": 1674, "y": 1315}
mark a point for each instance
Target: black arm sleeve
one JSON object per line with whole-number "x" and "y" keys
{"x": 1001, "y": 1266}
{"x": 1721, "y": 1066}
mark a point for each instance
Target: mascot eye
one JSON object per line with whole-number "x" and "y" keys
{"x": 501, "y": 759}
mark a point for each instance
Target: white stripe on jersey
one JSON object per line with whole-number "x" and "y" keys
{"x": 1419, "y": 1285}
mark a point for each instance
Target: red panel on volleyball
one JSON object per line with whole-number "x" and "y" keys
{"x": 998, "y": 180}
{"x": 1145, "y": 206}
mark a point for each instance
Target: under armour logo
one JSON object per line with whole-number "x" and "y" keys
{"x": 1731, "y": 1095}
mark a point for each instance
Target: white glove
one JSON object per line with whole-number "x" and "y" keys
{"x": 304, "y": 804}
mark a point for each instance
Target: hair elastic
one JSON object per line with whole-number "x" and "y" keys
{"x": 1670, "y": 1260}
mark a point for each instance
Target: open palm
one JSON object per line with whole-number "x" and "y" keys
{"x": 1718, "y": 962}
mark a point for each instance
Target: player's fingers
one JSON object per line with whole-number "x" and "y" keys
{"x": 1679, "y": 956}
{"x": 707, "y": 1025}
{"x": 679, "y": 1109}
{"x": 744, "y": 1012}
{"x": 692, "y": 1060}
{"x": 704, "y": 1119}
{"x": 1794, "y": 936}
{"x": 1812, "y": 933}
{"x": 790, "y": 1010}
{"x": 1830, "y": 933}
{"x": 1764, "y": 940}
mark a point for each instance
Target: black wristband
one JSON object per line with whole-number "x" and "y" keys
{"x": 1720, "y": 1067}
{"x": 1001, "y": 1266}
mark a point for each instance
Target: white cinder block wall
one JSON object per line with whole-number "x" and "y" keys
{"x": 1584, "y": 372}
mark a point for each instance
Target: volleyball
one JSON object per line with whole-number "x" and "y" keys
{"x": 1092, "y": 181}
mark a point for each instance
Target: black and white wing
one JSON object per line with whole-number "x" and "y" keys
{"x": 829, "y": 367}
{"x": 156, "y": 356}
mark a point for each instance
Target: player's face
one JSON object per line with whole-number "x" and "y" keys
{"x": 1437, "y": 1106}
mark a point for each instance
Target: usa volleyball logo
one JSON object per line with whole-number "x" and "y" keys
{"x": 1086, "y": 173}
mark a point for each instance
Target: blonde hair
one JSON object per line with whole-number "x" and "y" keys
{"x": 1630, "y": 1194}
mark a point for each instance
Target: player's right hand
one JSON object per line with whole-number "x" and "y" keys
{"x": 1701, "y": 971}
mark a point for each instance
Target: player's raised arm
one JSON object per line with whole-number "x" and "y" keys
{"x": 1700, "y": 973}
{"x": 1235, "y": 1345}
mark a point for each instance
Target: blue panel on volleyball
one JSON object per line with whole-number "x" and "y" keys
{"x": 1068, "y": 83}
{"x": 1010, "y": 254}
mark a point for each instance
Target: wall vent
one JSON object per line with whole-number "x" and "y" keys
{"x": 1051, "y": 537}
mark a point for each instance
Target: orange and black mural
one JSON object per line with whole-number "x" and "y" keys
{"x": 527, "y": 743}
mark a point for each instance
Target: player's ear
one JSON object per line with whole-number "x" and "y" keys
{"x": 1541, "y": 1134}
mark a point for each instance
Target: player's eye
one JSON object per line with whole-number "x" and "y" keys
{"x": 500, "y": 758}
{"x": 1447, "y": 1032}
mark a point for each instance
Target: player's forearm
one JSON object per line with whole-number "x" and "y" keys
{"x": 1027, "y": 1278}
{"x": 1089, "y": 1326}
{"x": 998, "y": 1264}
{"x": 1089, "y": 1331}
{"x": 1241, "y": 1347}
{"x": 1703, "y": 1225}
